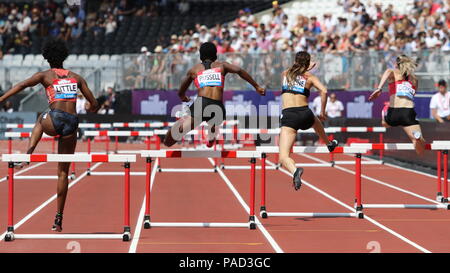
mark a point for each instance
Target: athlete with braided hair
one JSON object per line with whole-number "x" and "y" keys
{"x": 209, "y": 79}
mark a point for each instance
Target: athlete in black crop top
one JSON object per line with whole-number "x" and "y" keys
{"x": 297, "y": 82}
{"x": 209, "y": 78}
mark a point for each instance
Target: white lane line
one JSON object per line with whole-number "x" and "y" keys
{"x": 36, "y": 210}
{"x": 24, "y": 170}
{"x": 263, "y": 230}
{"x": 401, "y": 237}
{"x": 140, "y": 221}
{"x": 376, "y": 181}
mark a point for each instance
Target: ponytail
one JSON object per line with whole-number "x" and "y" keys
{"x": 406, "y": 65}
{"x": 300, "y": 67}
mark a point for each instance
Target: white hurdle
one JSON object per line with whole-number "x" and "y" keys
{"x": 11, "y": 135}
{"x": 321, "y": 150}
{"x": 147, "y": 134}
{"x": 81, "y": 125}
{"x": 11, "y": 158}
{"x": 150, "y": 155}
{"x": 441, "y": 147}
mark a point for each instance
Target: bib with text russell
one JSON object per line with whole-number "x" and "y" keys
{"x": 210, "y": 77}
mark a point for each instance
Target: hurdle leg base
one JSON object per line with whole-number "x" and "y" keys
{"x": 359, "y": 212}
{"x": 147, "y": 222}
{"x": 126, "y": 234}
{"x": 252, "y": 224}
{"x": 263, "y": 212}
{"x": 88, "y": 172}
{"x": 9, "y": 236}
{"x": 159, "y": 169}
{"x": 439, "y": 197}
{"x": 72, "y": 176}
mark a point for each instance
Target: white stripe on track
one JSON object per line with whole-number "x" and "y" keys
{"x": 140, "y": 221}
{"x": 263, "y": 230}
{"x": 36, "y": 210}
{"x": 24, "y": 170}
{"x": 376, "y": 181}
{"x": 401, "y": 237}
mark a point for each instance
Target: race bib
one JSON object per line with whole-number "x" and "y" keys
{"x": 298, "y": 87}
{"x": 65, "y": 88}
{"x": 405, "y": 89}
{"x": 210, "y": 77}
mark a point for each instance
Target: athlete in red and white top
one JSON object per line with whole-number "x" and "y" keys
{"x": 402, "y": 88}
{"x": 209, "y": 79}
{"x": 60, "y": 119}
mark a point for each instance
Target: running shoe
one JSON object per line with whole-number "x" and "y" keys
{"x": 57, "y": 226}
{"x": 417, "y": 134}
{"x": 20, "y": 165}
{"x": 333, "y": 144}
{"x": 297, "y": 179}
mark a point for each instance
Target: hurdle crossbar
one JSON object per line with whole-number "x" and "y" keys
{"x": 149, "y": 155}
{"x": 11, "y": 158}
{"x": 441, "y": 147}
{"x": 313, "y": 149}
{"x": 407, "y": 206}
{"x": 118, "y": 133}
{"x": 204, "y": 225}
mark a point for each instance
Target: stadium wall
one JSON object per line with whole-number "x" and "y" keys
{"x": 241, "y": 103}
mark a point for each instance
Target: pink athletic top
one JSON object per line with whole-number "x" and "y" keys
{"x": 63, "y": 87}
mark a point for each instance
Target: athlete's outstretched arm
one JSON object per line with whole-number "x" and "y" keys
{"x": 377, "y": 91}
{"x": 32, "y": 81}
{"x": 229, "y": 68}
{"x": 323, "y": 95}
{"x": 185, "y": 83}
{"x": 93, "y": 103}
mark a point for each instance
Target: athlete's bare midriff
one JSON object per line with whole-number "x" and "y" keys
{"x": 396, "y": 101}
{"x": 212, "y": 92}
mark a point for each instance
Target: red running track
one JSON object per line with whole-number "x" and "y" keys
{"x": 95, "y": 205}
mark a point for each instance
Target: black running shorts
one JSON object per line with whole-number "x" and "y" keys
{"x": 297, "y": 118}
{"x": 401, "y": 117}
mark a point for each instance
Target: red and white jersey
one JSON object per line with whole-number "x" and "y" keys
{"x": 62, "y": 88}
{"x": 402, "y": 88}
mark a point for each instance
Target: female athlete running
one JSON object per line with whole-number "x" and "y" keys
{"x": 209, "y": 78}
{"x": 402, "y": 88}
{"x": 60, "y": 119}
{"x": 297, "y": 82}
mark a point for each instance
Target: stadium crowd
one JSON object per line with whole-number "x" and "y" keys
{"x": 367, "y": 27}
